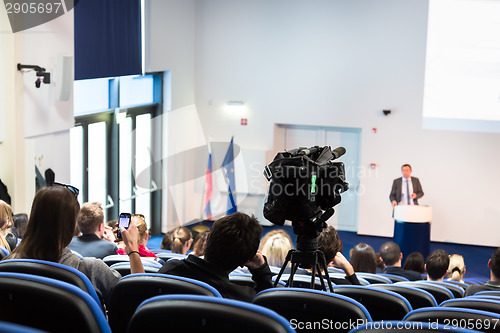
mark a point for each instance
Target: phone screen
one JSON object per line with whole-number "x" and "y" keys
{"x": 124, "y": 222}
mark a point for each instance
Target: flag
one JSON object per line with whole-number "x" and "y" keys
{"x": 228, "y": 165}
{"x": 208, "y": 187}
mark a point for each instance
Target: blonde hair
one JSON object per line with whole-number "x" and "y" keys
{"x": 5, "y": 216}
{"x": 456, "y": 268}
{"x": 275, "y": 246}
{"x": 142, "y": 227}
{"x": 180, "y": 236}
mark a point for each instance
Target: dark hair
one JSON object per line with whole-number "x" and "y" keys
{"x": 379, "y": 261}
{"x": 233, "y": 240}
{"x": 329, "y": 243}
{"x": 200, "y": 243}
{"x": 409, "y": 166}
{"x": 20, "y": 223}
{"x": 363, "y": 258}
{"x": 51, "y": 224}
{"x": 495, "y": 263}
{"x": 390, "y": 253}
{"x": 166, "y": 242}
{"x": 415, "y": 262}
{"x": 437, "y": 264}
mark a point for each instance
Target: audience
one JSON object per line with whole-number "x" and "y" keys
{"x": 142, "y": 237}
{"x": 436, "y": 265}
{"x": 392, "y": 257}
{"x": 456, "y": 270}
{"x": 5, "y": 224}
{"x": 494, "y": 282}
{"x": 52, "y": 223}
{"x": 275, "y": 246}
{"x": 181, "y": 240}
{"x": 415, "y": 262}
{"x": 363, "y": 258}
{"x": 97, "y": 239}
{"x": 200, "y": 243}
{"x": 233, "y": 241}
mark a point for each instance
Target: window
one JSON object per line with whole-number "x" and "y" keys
{"x": 111, "y": 155}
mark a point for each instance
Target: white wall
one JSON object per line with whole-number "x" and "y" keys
{"x": 339, "y": 63}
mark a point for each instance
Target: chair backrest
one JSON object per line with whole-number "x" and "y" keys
{"x": 373, "y": 278}
{"x": 418, "y": 298}
{"x": 462, "y": 285}
{"x": 51, "y": 270}
{"x": 302, "y": 281}
{"x": 170, "y": 255}
{"x": 118, "y": 258}
{"x": 483, "y": 320}
{"x": 48, "y": 304}
{"x": 361, "y": 280}
{"x": 440, "y": 293}
{"x": 490, "y": 305}
{"x": 16, "y": 328}
{"x": 124, "y": 268}
{"x": 488, "y": 293}
{"x": 408, "y": 326}
{"x": 3, "y": 252}
{"x": 394, "y": 278}
{"x": 242, "y": 279}
{"x": 382, "y": 304}
{"x": 457, "y": 291}
{"x": 133, "y": 289}
{"x": 193, "y": 313}
{"x": 300, "y": 305}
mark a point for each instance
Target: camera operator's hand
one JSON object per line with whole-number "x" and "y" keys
{"x": 394, "y": 203}
{"x": 256, "y": 262}
{"x": 341, "y": 262}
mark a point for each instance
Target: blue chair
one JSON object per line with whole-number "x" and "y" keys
{"x": 118, "y": 258}
{"x": 462, "y": 285}
{"x": 170, "y": 255}
{"x": 302, "y": 281}
{"x": 3, "y": 252}
{"x": 6, "y": 327}
{"x": 300, "y": 305}
{"x": 440, "y": 293}
{"x": 483, "y": 320}
{"x": 361, "y": 280}
{"x": 242, "y": 279}
{"x": 418, "y": 298}
{"x": 124, "y": 267}
{"x": 476, "y": 303}
{"x": 48, "y": 304}
{"x": 193, "y": 313}
{"x": 51, "y": 270}
{"x": 374, "y": 278}
{"x": 394, "y": 278}
{"x": 488, "y": 293}
{"x": 382, "y": 304}
{"x": 133, "y": 289}
{"x": 408, "y": 326}
{"x": 457, "y": 291}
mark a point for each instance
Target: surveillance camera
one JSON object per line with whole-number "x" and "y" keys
{"x": 38, "y": 82}
{"x": 386, "y": 112}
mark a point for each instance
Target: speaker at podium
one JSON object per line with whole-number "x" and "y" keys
{"x": 412, "y": 229}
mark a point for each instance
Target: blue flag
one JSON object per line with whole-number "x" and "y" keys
{"x": 228, "y": 165}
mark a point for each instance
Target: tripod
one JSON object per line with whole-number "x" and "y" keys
{"x": 314, "y": 259}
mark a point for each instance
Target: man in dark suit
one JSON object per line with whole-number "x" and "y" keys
{"x": 406, "y": 190}
{"x": 391, "y": 256}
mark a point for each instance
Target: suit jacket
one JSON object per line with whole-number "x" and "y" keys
{"x": 397, "y": 184}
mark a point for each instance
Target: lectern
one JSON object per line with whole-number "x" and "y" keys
{"x": 412, "y": 229}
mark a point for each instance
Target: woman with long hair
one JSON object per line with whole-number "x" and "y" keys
{"x": 5, "y": 223}
{"x": 456, "y": 269}
{"x": 181, "y": 240}
{"x": 50, "y": 228}
{"x": 363, "y": 258}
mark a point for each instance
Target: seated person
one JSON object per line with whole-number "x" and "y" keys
{"x": 7, "y": 240}
{"x": 52, "y": 223}
{"x": 233, "y": 242}
{"x": 275, "y": 246}
{"x": 363, "y": 258}
{"x": 436, "y": 265}
{"x": 142, "y": 239}
{"x": 392, "y": 257}
{"x": 380, "y": 263}
{"x": 200, "y": 243}
{"x": 456, "y": 270}
{"x": 167, "y": 240}
{"x": 181, "y": 240}
{"x": 415, "y": 262}
{"x": 97, "y": 239}
{"x": 494, "y": 282}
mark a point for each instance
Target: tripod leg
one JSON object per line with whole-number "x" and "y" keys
{"x": 287, "y": 260}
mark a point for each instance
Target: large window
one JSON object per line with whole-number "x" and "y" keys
{"x": 112, "y": 145}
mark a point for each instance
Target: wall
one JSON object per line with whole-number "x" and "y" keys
{"x": 339, "y": 63}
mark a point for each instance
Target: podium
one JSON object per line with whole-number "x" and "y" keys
{"x": 412, "y": 229}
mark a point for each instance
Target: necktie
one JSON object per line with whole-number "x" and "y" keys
{"x": 408, "y": 192}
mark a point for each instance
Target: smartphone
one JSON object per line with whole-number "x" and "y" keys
{"x": 123, "y": 221}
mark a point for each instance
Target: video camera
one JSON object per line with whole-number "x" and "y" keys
{"x": 305, "y": 185}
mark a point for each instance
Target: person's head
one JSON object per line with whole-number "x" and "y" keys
{"x": 166, "y": 242}
{"x": 406, "y": 170}
{"x": 391, "y": 254}
{"x": 233, "y": 241}
{"x": 494, "y": 265}
{"x": 142, "y": 227}
{"x": 437, "y": 264}
{"x": 51, "y": 224}
{"x": 275, "y": 246}
{"x": 363, "y": 258}
{"x": 200, "y": 243}
{"x": 379, "y": 261}
{"x": 20, "y": 223}
{"x": 415, "y": 262}
{"x": 329, "y": 243}
{"x": 181, "y": 240}
{"x": 5, "y": 215}
{"x": 90, "y": 219}
{"x": 456, "y": 269}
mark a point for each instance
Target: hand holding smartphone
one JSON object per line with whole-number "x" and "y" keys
{"x": 123, "y": 221}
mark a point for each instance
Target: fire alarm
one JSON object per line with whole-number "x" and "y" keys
{"x": 374, "y": 130}
{"x": 244, "y": 121}
{"x": 373, "y": 166}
